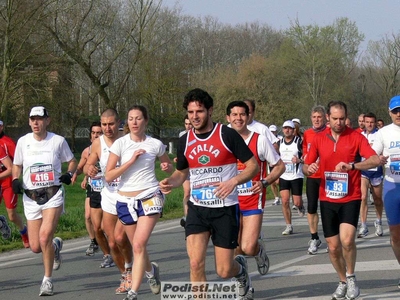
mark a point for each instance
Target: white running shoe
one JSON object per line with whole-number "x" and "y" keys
{"x": 363, "y": 232}
{"x": 313, "y": 246}
{"x": 58, "y": 244}
{"x": 352, "y": 289}
{"x": 378, "y": 228}
{"x": 340, "y": 292}
{"x": 288, "y": 230}
{"x": 277, "y": 201}
{"x": 154, "y": 282}
{"x": 46, "y": 289}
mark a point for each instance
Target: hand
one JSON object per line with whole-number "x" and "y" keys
{"x": 165, "y": 186}
{"x": 16, "y": 186}
{"x": 66, "y": 178}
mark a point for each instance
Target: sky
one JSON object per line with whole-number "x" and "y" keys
{"x": 374, "y": 18}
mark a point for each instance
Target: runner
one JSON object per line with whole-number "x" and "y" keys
{"x": 139, "y": 199}
{"x": 95, "y": 132}
{"x": 252, "y": 194}
{"x": 210, "y": 152}
{"x": 275, "y": 184}
{"x": 106, "y": 218}
{"x": 387, "y": 142}
{"x": 291, "y": 181}
{"x": 371, "y": 179}
{"x": 318, "y": 121}
{"x": 334, "y": 153}
{"x": 11, "y": 199}
{"x": 38, "y": 157}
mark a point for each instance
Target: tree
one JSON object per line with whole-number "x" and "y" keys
{"x": 322, "y": 55}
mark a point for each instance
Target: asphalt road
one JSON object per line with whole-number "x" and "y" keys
{"x": 293, "y": 273}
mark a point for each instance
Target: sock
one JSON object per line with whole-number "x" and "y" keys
{"x": 23, "y": 231}
{"x": 379, "y": 221}
{"x": 364, "y": 224}
{"x": 350, "y": 275}
{"x": 151, "y": 273}
{"x": 47, "y": 279}
{"x": 314, "y": 236}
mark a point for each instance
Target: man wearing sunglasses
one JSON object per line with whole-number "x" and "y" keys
{"x": 388, "y": 144}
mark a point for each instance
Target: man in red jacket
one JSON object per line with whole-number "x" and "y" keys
{"x": 11, "y": 199}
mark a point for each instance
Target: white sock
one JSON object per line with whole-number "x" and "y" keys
{"x": 47, "y": 279}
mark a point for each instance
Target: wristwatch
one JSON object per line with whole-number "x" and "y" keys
{"x": 264, "y": 183}
{"x": 70, "y": 173}
{"x": 352, "y": 166}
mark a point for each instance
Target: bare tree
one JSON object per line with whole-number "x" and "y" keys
{"x": 105, "y": 39}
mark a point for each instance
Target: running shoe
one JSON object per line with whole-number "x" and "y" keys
{"x": 294, "y": 207}
{"x": 25, "y": 240}
{"x": 122, "y": 290}
{"x": 378, "y": 228}
{"x": 46, "y": 289}
{"x": 301, "y": 211}
{"x": 243, "y": 278}
{"x": 107, "y": 261}
{"x": 313, "y": 246}
{"x": 288, "y": 230}
{"x": 352, "y": 289}
{"x": 249, "y": 295}
{"x": 340, "y": 292}
{"x": 92, "y": 249}
{"x": 131, "y": 296}
{"x": 4, "y": 228}
{"x": 363, "y": 232}
{"x": 262, "y": 259}
{"x": 58, "y": 244}
{"x": 154, "y": 282}
{"x": 398, "y": 284}
{"x": 277, "y": 201}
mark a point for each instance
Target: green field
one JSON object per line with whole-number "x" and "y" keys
{"x": 72, "y": 223}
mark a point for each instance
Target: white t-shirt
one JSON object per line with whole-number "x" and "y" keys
{"x": 263, "y": 130}
{"x": 387, "y": 143}
{"x": 141, "y": 174}
{"x": 41, "y": 160}
{"x": 265, "y": 149}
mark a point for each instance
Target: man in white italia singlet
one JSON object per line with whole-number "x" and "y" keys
{"x": 210, "y": 152}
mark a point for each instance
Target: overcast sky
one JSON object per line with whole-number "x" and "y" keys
{"x": 374, "y": 19}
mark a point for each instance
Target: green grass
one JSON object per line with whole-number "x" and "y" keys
{"x": 72, "y": 222}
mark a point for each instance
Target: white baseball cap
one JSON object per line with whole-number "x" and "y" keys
{"x": 38, "y": 111}
{"x": 288, "y": 123}
{"x": 273, "y": 128}
{"x": 296, "y": 120}
{"x": 1, "y": 123}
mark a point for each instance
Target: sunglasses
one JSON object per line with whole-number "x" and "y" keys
{"x": 395, "y": 111}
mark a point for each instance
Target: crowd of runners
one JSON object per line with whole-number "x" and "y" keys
{"x": 225, "y": 172}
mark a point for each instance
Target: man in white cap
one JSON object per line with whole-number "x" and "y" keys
{"x": 387, "y": 142}
{"x": 291, "y": 181}
{"x": 38, "y": 157}
{"x": 11, "y": 199}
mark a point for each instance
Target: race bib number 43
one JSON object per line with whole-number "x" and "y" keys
{"x": 336, "y": 184}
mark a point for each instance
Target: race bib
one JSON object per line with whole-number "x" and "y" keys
{"x": 42, "y": 175}
{"x": 96, "y": 184}
{"x": 394, "y": 165}
{"x": 202, "y": 192}
{"x": 244, "y": 189}
{"x": 153, "y": 205}
{"x": 290, "y": 167}
{"x": 336, "y": 184}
